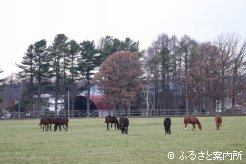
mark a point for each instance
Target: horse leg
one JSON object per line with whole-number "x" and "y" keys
{"x": 126, "y": 130}
{"x": 218, "y": 125}
{"x": 122, "y": 129}
{"x": 169, "y": 130}
{"x": 194, "y": 127}
{"x": 65, "y": 127}
{"x": 185, "y": 126}
{"x": 166, "y": 130}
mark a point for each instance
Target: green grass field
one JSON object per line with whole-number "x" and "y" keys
{"x": 88, "y": 141}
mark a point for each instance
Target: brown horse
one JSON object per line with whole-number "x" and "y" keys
{"x": 192, "y": 120}
{"x": 124, "y": 123}
{"x": 61, "y": 121}
{"x": 44, "y": 123}
{"x": 112, "y": 120}
{"x": 121, "y": 119}
{"x": 218, "y": 121}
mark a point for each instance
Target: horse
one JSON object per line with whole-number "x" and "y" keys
{"x": 218, "y": 121}
{"x": 112, "y": 120}
{"x": 61, "y": 121}
{"x": 45, "y": 123}
{"x": 167, "y": 125}
{"x": 121, "y": 119}
{"x": 51, "y": 121}
{"x": 124, "y": 123}
{"x": 192, "y": 120}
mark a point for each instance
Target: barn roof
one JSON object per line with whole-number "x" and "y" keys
{"x": 100, "y": 102}
{"x": 97, "y": 98}
{"x": 7, "y": 104}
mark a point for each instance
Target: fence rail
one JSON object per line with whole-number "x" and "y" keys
{"x": 104, "y": 113}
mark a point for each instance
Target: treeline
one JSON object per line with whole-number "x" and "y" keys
{"x": 63, "y": 66}
{"x": 185, "y": 74}
{"x": 179, "y": 74}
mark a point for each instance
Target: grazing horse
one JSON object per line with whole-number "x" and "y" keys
{"x": 121, "y": 119}
{"x": 51, "y": 121}
{"x": 112, "y": 120}
{"x": 218, "y": 121}
{"x": 167, "y": 125}
{"x": 61, "y": 121}
{"x": 45, "y": 123}
{"x": 124, "y": 123}
{"x": 65, "y": 121}
{"x": 192, "y": 120}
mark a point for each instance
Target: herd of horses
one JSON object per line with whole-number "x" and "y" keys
{"x": 123, "y": 123}
{"x": 59, "y": 122}
{"x": 191, "y": 120}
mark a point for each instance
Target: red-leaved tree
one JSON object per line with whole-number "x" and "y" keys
{"x": 119, "y": 79}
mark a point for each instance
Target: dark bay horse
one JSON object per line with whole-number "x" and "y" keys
{"x": 45, "y": 123}
{"x": 112, "y": 120}
{"x": 121, "y": 119}
{"x": 218, "y": 121}
{"x": 124, "y": 123}
{"x": 167, "y": 125}
{"x": 192, "y": 120}
{"x": 61, "y": 121}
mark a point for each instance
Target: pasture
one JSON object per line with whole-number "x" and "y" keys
{"x": 87, "y": 141}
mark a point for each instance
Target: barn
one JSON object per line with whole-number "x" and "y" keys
{"x": 97, "y": 104}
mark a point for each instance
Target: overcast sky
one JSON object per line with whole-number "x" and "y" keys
{"x": 24, "y": 22}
